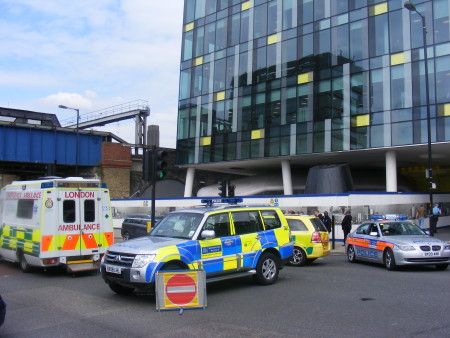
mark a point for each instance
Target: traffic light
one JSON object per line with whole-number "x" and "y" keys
{"x": 231, "y": 188}
{"x": 147, "y": 165}
{"x": 161, "y": 164}
{"x": 223, "y": 188}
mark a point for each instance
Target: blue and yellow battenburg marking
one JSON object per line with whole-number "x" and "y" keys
{"x": 220, "y": 254}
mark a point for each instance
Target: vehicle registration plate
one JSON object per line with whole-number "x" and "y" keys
{"x": 113, "y": 269}
{"x": 428, "y": 254}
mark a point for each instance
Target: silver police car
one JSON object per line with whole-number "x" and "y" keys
{"x": 395, "y": 242}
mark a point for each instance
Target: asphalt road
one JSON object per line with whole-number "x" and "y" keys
{"x": 330, "y": 298}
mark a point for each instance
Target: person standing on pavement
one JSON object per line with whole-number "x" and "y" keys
{"x": 434, "y": 217}
{"x": 420, "y": 215}
{"x": 326, "y": 221}
{"x": 318, "y": 214}
{"x": 346, "y": 224}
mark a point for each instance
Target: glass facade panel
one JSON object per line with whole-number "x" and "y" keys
{"x": 349, "y": 73}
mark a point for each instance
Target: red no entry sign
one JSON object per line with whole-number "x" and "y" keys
{"x": 181, "y": 289}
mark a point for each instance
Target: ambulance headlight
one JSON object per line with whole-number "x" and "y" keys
{"x": 142, "y": 260}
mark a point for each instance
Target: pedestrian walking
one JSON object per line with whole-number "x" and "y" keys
{"x": 434, "y": 218}
{"x": 346, "y": 224}
{"x": 420, "y": 215}
{"x": 326, "y": 221}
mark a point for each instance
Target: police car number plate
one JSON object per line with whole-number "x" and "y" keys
{"x": 427, "y": 254}
{"x": 113, "y": 269}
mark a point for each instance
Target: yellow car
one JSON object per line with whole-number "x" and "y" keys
{"x": 310, "y": 237}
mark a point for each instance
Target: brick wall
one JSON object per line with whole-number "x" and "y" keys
{"x": 115, "y": 168}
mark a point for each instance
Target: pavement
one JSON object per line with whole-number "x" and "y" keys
{"x": 443, "y": 233}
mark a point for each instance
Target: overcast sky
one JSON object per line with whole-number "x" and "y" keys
{"x": 91, "y": 55}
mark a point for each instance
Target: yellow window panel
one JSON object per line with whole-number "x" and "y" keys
{"x": 397, "y": 59}
{"x": 198, "y": 61}
{"x": 189, "y": 27}
{"x": 305, "y": 77}
{"x": 205, "y": 141}
{"x": 378, "y": 9}
{"x": 444, "y": 109}
{"x": 246, "y": 5}
{"x": 360, "y": 120}
{"x": 271, "y": 39}
{"x": 257, "y": 134}
{"x": 219, "y": 96}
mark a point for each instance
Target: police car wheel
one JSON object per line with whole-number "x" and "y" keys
{"x": 441, "y": 267}
{"x": 351, "y": 256}
{"x": 389, "y": 260}
{"x": 119, "y": 289}
{"x": 267, "y": 269}
{"x": 126, "y": 236}
{"x": 24, "y": 266}
{"x": 298, "y": 257}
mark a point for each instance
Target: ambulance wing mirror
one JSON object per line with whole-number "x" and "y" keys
{"x": 208, "y": 234}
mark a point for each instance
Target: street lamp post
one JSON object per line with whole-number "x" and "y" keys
{"x": 429, "y": 173}
{"x": 78, "y": 136}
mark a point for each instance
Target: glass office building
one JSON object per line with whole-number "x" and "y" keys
{"x": 284, "y": 78}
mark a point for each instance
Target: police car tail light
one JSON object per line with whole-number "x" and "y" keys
{"x": 142, "y": 260}
{"x": 315, "y": 238}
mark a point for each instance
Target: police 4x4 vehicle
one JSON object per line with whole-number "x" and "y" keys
{"x": 225, "y": 241}
{"x": 393, "y": 242}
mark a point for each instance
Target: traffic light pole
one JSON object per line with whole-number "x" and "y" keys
{"x": 153, "y": 164}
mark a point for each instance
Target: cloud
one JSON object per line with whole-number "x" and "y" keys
{"x": 92, "y": 55}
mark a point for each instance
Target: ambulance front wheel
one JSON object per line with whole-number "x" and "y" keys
{"x": 267, "y": 269}
{"x": 24, "y": 266}
{"x": 119, "y": 289}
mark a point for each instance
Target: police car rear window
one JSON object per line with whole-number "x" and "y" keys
{"x": 271, "y": 219}
{"x": 318, "y": 225}
{"x": 296, "y": 225}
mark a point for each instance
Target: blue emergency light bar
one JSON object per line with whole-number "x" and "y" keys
{"x": 396, "y": 217}
{"x": 211, "y": 201}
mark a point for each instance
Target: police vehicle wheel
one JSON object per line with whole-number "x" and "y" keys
{"x": 267, "y": 269}
{"x": 298, "y": 257}
{"x": 351, "y": 256}
{"x": 171, "y": 266}
{"x": 24, "y": 266}
{"x": 119, "y": 289}
{"x": 389, "y": 260}
{"x": 441, "y": 266}
{"x": 126, "y": 236}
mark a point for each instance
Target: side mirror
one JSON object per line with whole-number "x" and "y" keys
{"x": 374, "y": 233}
{"x": 208, "y": 234}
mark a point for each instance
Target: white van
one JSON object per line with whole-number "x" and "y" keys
{"x": 55, "y": 221}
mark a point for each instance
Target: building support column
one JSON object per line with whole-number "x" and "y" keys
{"x": 189, "y": 182}
{"x": 287, "y": 178}
{"x": 391, "y": 171}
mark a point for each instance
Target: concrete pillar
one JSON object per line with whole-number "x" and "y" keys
{"x": 391, "y": 171}
{"x": 189, "y": 182}
{"x": 287, "y": 178}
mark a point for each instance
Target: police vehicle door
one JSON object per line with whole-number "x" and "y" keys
{"x": 247, "y": 225}
{"x": 218, "y": 255}
{"x": 361, "y": 240}
{"x": 374, "y": 236}
{"x": 78, "y": 226}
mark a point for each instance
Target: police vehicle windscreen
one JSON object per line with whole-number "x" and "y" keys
{"x": 400, "y": 229}
{"x": 177, "y": 225}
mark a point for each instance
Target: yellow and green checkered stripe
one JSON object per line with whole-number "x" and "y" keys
{"x": 16, "y": 238}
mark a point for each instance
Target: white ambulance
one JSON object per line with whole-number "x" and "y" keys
{"x": 55, "y": 222}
